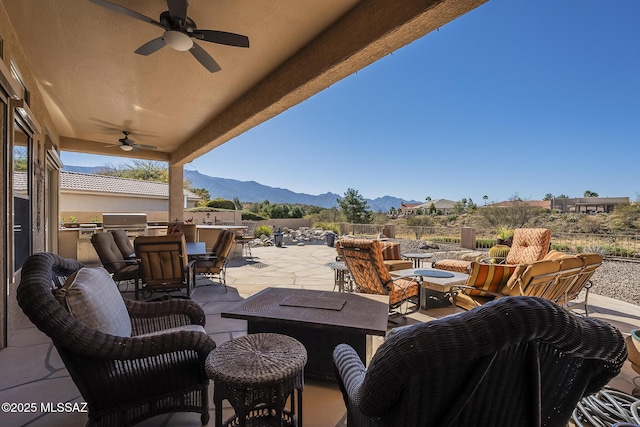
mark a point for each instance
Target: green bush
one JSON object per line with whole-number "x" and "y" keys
{"x": 560, "y": 247}
{"x": 207, "y": 209}
{"x": 263, "y": 229}
{"x": 221, "y": 203}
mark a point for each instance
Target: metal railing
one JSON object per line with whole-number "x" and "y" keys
{"x": 625, "y": 246}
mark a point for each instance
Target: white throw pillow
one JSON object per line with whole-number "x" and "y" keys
{"x": 93, "y": 298}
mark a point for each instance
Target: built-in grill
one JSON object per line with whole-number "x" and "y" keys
{"x": 135, "y": 224}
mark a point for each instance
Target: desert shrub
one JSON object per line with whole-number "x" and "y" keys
{"x": 589, "y": 224}
{"x": 263, "y": 229}
{"x": 560, "y": 247}
{"x": 620, "y": 252}
{"x": 332, "y": 226}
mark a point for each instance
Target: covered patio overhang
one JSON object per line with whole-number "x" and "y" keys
{"x": 93, "y": 86}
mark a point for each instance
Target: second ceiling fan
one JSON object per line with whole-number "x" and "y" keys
{"x": 179, "y": 30}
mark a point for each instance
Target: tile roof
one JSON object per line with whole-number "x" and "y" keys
{"x": 77, "y": 181}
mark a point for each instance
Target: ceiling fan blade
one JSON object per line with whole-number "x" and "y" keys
{"x": 128, "y": 12}
{"x": 204, "y": 58}
{"x": 178, "y": 9}
{"x": 151, "y": 46}
{"x": 222, "y": 37}
{"x": 146, "y": 147}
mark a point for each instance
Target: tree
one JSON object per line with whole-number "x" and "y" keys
{"x": 355, "y": 207}
{"x": 485, "y": 198}
{"x": 146, "y": 170}
{"x": 427, "y": 199}
{"x": 589, "y": 193}
{"x": 236, "y": 201}
{"x": 204, "y": 195}
{"x": 516, "y": 215}
{"x": 548, "y": 196}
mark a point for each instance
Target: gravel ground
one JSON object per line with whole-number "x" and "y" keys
{"x": 615, "y": 279}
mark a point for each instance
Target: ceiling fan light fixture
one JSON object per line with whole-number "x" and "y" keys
{"x": 178, "y": 40}
{"x": 125, "y": 147}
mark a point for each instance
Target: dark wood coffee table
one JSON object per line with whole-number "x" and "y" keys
{"x": 318, "y": 319}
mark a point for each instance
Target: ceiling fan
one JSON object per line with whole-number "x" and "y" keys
{"x": 127, "y": 144}
{"x": 179, "y": 31}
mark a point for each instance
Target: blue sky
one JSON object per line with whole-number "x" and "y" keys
{"x": 516, "y": 98}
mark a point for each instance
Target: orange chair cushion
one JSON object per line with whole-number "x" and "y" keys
{"x": 457, "y": 265}
{"x": 397, "y": 264}
{"x": 390, "y": 250}
{"x": 529, "y": 245}
{"x": 488, "y": 277}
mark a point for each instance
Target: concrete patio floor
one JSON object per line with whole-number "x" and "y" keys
{"x": 31, "y": 370}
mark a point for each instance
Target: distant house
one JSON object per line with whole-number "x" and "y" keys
{"x": 545, "y": 204}
{"x": 86, "y": 196}
{"x": 407, "y": 209}
{"x": 443, "y": 206}
{"x": 588, "y": 204}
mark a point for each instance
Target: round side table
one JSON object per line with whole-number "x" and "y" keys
{"x": 342, "y": 279}
{"x": 257, "y": 373}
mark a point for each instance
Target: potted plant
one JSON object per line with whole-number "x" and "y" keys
{"x": 504, "y": 236}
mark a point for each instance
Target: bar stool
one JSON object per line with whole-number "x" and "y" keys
{"x": 257, "y": 373}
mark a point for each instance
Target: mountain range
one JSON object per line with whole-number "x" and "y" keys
{"x": 251, "y": 191}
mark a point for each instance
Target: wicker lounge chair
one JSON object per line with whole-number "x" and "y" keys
{"x": 519, "y": 361}
{"x": 124, "y": 378}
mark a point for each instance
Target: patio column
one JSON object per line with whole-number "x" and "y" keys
{"x": 176, "y": 198}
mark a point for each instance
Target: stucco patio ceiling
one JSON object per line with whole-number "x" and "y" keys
{"x": 94, "y": 85}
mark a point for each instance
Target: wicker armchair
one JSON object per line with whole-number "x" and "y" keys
{"x": 518, "y": 361}
{"x": 123, "y": 379}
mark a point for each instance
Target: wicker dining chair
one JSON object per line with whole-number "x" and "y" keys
{"x": 129, "y": 367}
{"x": 517, "y": 361}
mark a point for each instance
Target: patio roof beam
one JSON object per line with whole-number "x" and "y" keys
{"x": 368, "y": 32}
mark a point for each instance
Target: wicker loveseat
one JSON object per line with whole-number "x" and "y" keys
{"x": 518, "y": 361}
{"x": 146, "y": 360}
